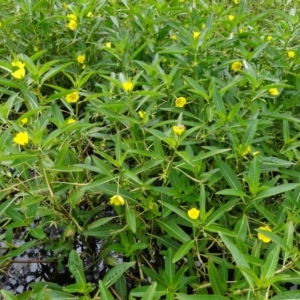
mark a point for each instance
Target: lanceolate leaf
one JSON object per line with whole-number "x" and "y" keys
{"x": 174, "y": 231}
{"x": 182, "y": 251}
{"x": 238, "y": 257}
{"x": 76, "y": 268}
{"x": 220, "y": 211}
{"x": 150, "y": 293}
{"x": 116, "y": 272}
{"x": 130, "y": 218}
{"x": 214, "y": 278}
{"x": 276, "y": 190}
{"x": 229, "y": 175}
{"x": 250, "y": 133}
{"x": 271, "y": 262}
{"x": 104, "y": 292}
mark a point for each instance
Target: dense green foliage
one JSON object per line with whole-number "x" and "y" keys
{"x": 168, "y": 130}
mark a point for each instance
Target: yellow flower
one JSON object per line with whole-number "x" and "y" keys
{"x": 35, "y": 48}
{"x": 72, "y": 97}
{"x": 178, "y": 129}
{"x": 108, "y": 45}
{"x": 127, "y": 86}
{"x": 117, "y": 200}
{"x": 193, "y": 213}
{"x": 141, "y": 114}
{"x": 242, "y": 30}
{"x": 180, "y": 102}
{"x": 150, "y": 205}
{"x": 24, "y": 121}
{"x": 291, "y": 54}
{"x": 236, "y": 1}
{"x": 244, "y": 150}
{"x": 90, "y": 15}
{"x": 72, "y": 25}
{"x": 231, "y": 17}
{"x": 173, "y": 37}
{"x": 21, "y": 138}
{"x": 81, "y": 58}
{"x": 269, "y": 38}
{"x": 196, "y": 34}
{"x": 262, "y": 237}
{"x": 274, "y": 92}
{"x": 0, "y": 24}
{"x": 20, "y": 73}
{"x": 72, "y": 17}
{"x": 236, "y": 66}
{"x": 70, "y": 121}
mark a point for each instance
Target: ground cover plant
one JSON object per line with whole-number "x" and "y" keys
{"x": 167, "y": 131}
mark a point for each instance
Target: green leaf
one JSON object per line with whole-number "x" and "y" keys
{"x": 8, "y": 296}
{"x": 169, "y": 265}
{"x": 217, "y": 98}
{"x": 153, "y": 275}
{"x": 214, "y": 278}
{"x": 5, "y": 204}
{"x": 104, "y": 292}
{"x": 150, "y": 292}
{"x": 288, "y": 238}
{"x": 74, "y": 288}
{"x": 116, "y": 272}
{"x": 100, "y": 222}
{"x": 130, "y": 218}
{"x": 276, "y": 190}
{"x": 174, "y": 231}
{"x": 216, "y": 229}
{"x": 241, "y": 227}
{"x": 202, "y": 201}
{"x": 238, "y": 257}
{"x": 176, "y": 210}
{"x": 182, "y": 251}
{"x": 200, "y": 297}
{"x": 118, "y": 150}
{"x": 202, "y": 156}
{"x": 276, "y": 239}
{"x": 57, "y": 295}
{"x": 196, "y": 87}
{"x": 266, "y": 213}
{"x": 13, "y": 157}
{"x": 254, "y": 173}
{"x": 38, "y": 233}
{"x": 229, "y": 175}
{"x": 270, "y": 264}
{"x": 140, "y": 291}
{"x": 66, "y": 169}
{"x": 279, "y": 116}
{"x": 220, "y": 212}
{"x": 249, "y": 134}
{"x": 105, "y": 232}
{"x": 290, "y": 295}
{"x": 75, "y": 266}
{"x": 121, "y": 287}
{"x": 10, "y": 83}
{"x": 54, "y": 71}
{"x": 276, "y": 162}
{"x": 232, "y": 192}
